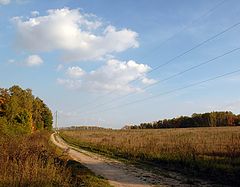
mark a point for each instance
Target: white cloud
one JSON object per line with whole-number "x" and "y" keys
{"x": 75, "y": 72}
{"x": 34, "y": 13}
{"x": 33, "y": 60}
{"x": 145, "y": 80}
{"x": 30, "y": 61}
{"x": 4, "y": 2}
{"x": 115, "y": 75}
{"x": 79, "y": 36}
{"x": 71, "y": 84}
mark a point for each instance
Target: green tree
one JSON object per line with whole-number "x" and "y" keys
{"x": 21, "y": 111}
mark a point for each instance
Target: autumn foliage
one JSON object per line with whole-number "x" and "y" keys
{"x": 21, "y": 112}
{"x": 211, "y": 119}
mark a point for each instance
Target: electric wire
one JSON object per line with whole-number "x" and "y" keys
{"x": 172, "y": 76}
{"x": 171, "y": 91}
{"x": 165, "y": 41}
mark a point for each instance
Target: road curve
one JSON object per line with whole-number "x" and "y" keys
{"x": 117, "y": 173}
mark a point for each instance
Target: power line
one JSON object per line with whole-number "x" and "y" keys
{"x": 172, "y": 76}
{"x": 193, "y": 67}
{"x": 172, "y": 91}
{"x": 182, "y": 54}
{"x": 165, "y": 41}
{"x": 187, "y": 26}
{"x": 195, "y": 47}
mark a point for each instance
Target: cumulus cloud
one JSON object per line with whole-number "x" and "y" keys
{"x": 33, "y": 60}
{"x": 78, "y": 36}
{"x": 75, "y": 72}
{"x": 4, "y": 2}
{"x": 30, "y": 61}
{"x": 115, "y": 75}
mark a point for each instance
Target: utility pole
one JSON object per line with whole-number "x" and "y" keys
{"x": 56, "y": 120}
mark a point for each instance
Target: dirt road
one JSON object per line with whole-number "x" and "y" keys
{"x": 120, "y": 174}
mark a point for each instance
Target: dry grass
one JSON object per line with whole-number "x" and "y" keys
{"x": 214, "y": 149}
{"x": 29, "y": 161}
{"x": 155, "y": 143}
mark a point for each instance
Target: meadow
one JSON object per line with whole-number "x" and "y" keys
{"x": 212, "y": 152}
{"x": 31, "y": 160}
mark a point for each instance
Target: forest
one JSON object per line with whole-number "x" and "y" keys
{"x": 21, "y": 112}
{"x": 211, "y": 119}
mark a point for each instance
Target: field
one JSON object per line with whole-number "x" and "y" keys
{"x": 208, "y": 152}
{"x": 31, "y": 160}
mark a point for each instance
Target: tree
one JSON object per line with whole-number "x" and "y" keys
{"x": 47, "y": 118}
{"x": 212, "y": 119}
{"x": 19, "y": 109}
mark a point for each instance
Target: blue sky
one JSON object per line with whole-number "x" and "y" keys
{"x": 79, "y": 54}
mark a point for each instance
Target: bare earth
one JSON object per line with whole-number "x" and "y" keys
{"x": 121, "y": 175}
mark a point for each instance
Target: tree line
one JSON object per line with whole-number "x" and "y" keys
{"x": 22, "y": 112}
{"x": 211, "y": 119}
{"x": 72, "y": 128}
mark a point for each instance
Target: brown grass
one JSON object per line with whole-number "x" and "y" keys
{"x": 154, "y": 143}
{"x": 29, "y": 161}
{"x": 215, "y": 150}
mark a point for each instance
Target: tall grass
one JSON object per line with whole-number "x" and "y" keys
{"x": 213, "y": 151}
{"x": 29, "y": 161}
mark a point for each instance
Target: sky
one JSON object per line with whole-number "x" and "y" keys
{"x": 100, "y": 62}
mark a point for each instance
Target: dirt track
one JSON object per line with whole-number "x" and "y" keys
{"x": 120, "y": 174}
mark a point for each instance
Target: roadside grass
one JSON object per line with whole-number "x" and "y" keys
{"x": 31, "y": 160}
{"x": 209, "y": 153}
{"x": 27, "y": 160}
{"x": 82, "y": 175}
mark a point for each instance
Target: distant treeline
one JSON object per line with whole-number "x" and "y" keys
{"x": 212, "y": 119}
{"x": 84, "y": 128}
{"x": 21, "y": 112}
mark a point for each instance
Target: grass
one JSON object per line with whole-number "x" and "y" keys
{"x": 31, "y": 160}
{"x": 206, "y": 152}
